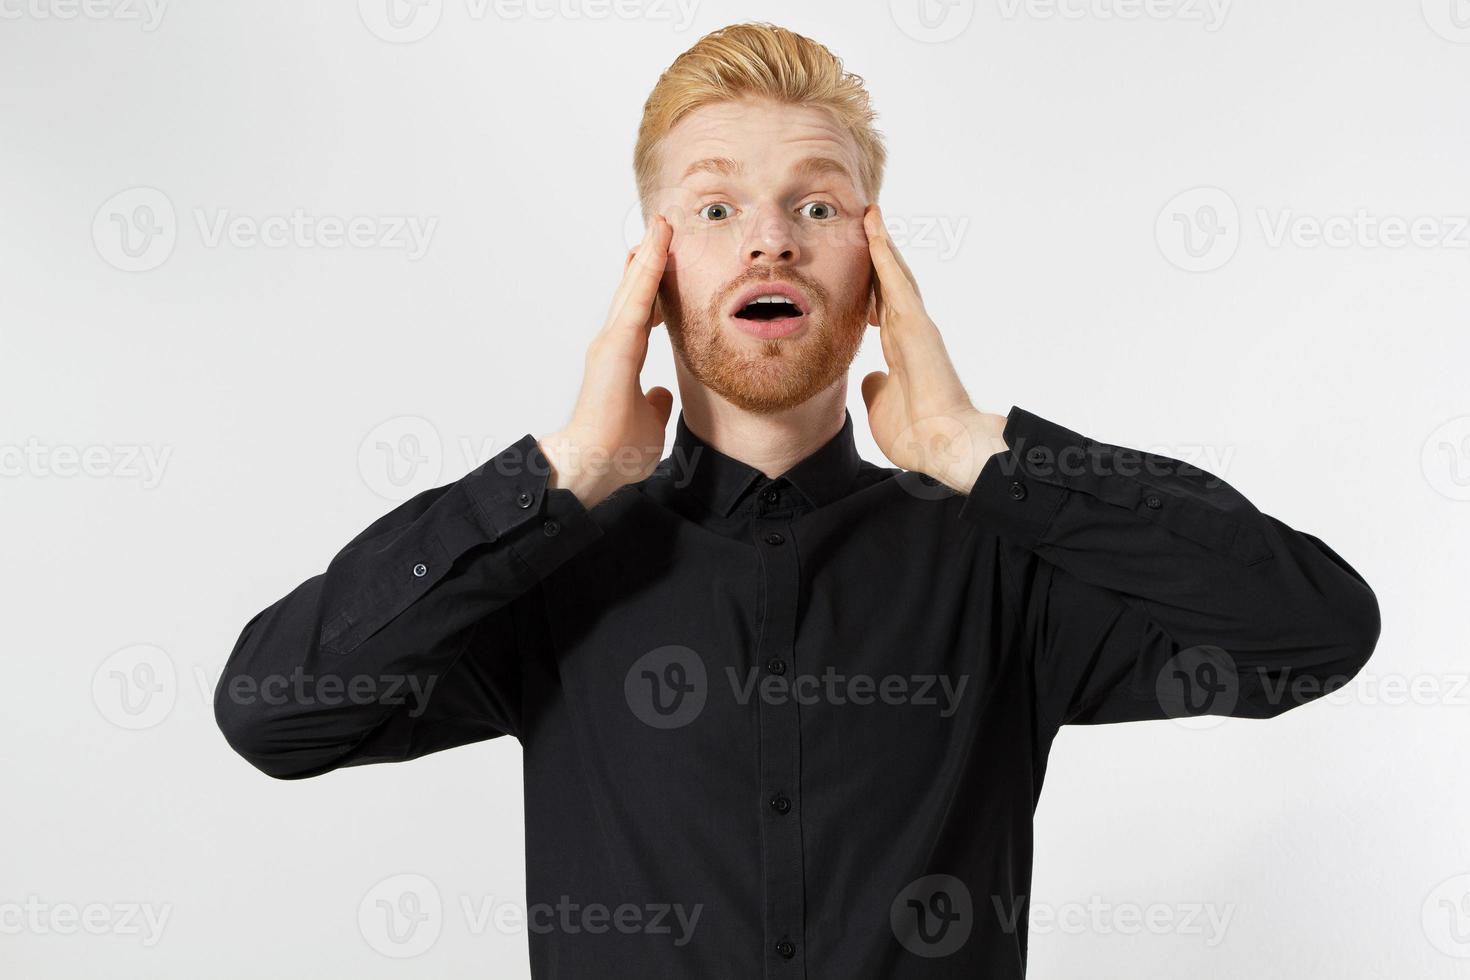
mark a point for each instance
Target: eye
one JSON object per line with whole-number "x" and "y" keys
{"x": 720, "y": 211}
{"x": 828, "y": 211}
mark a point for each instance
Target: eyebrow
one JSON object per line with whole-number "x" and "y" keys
{"x": 813, "y": 166}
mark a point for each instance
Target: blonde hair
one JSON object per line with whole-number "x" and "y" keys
{"x": 761, "y": 60}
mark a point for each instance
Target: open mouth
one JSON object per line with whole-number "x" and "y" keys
{"x": 768, "y": 308}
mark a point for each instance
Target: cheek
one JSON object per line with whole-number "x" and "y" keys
{"x": 848, "y": 272}
{"x": 842, "y": 251}
{"x": 689, "y": 249}
{"x": 695, "y": 268}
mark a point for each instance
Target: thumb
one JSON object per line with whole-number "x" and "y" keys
{"x": 873, "y": 385}
{"x": 662, "y": 401}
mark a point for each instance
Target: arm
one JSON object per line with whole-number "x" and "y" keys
{"x": 406, "y": 644}
{"x": 1145, "y": 588}
{"x": 1148, "y": 588}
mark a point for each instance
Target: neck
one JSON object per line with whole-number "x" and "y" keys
{"x": 771, "y": 443}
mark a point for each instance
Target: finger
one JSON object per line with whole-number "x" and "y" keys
{"x": 625, "y": 282}
{"x": 662, "y": 401}
{"x": 897, "y": 254}
{"x": 657, "y": 315}
{"x": 903, "y": 264}
{"x": 882, "y": 240}
{"x": 899, "y": 288}
{"x": 643, "y": 275}
{"x": 873, "y": 384}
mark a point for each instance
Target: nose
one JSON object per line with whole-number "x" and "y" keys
{"x": 771, "y": 239}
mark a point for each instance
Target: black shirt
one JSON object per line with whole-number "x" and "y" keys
{"x": 791, "y": 728}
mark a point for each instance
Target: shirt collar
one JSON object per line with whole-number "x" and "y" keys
{"x": 721, "y": 481}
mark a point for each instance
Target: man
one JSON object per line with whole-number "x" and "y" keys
{"x": 786, "y": 713}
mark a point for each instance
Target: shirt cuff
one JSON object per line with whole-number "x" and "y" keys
{"x": 1020, "y": 489}
{"x": 542, "y": 525}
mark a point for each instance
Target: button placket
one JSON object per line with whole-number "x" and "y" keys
{"x": 782, "y": 857}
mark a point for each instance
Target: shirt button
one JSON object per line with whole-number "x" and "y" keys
{"x": 1018, "y": 490}
{"x": 524, "y": 499}
{"x": 775, "y": 537}
{"x": 776, "y": 665}
{"x": 420, "y": 570}
{"x": 769, "y": 496}
{"x": 1036, "y": 455}
{"x": 780, "y": 804}
{"x": 1153, "y": 501}
{"x": 786, "y": 949}
{"x": 551, "y": 528}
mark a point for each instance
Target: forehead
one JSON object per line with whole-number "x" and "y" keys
{"x": 760, "y": 136}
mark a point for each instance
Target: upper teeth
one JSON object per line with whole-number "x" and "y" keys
{"x": 771, "y": 299}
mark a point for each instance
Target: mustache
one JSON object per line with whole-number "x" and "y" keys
{"x": 808, "y": 285}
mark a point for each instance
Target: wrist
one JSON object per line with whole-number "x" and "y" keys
{"x": 986, "y": 435}
{"x": 562, "y": 455}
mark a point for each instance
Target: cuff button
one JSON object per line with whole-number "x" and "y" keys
{"x": 420, "y": 570}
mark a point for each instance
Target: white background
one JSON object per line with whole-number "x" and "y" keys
{"x": 1038, "y": 155}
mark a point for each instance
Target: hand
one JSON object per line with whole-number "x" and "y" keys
{"x": 919, "y": 412}
{"x": 616, "y": 434}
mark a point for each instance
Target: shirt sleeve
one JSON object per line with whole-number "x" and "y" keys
{"x": 1147, "y": 588}
{"x": 406, "y": 644}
